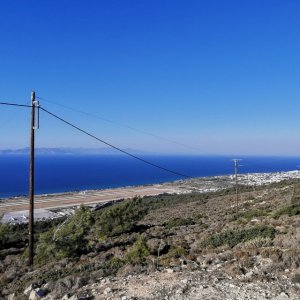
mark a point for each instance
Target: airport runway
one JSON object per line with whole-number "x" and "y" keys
{"x": 87, "y": 197}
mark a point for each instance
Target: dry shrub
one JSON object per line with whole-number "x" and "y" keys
{"x": 276, "y": 256}
{"x": 291, "y": 258}
{"x": 195, "y": 248}
{"x": 273, "y": 253}
{"x": 290, "y": 210}
{"x": 276, "y": 223}
{"x": 210, "y": 259}
{"x": 290, "y": 240}
{"x": 182, "y": 243}
{"x": 242, "y": 221}
{"x": 233, "y": 270}
{"x": 244, "y": 258}
{"x": 264, "y": 253}
{"x": 4, "y": 280}
{"x": 191, "y": 257}
{"x": 167, "y": 261}
{"x": 253, "y": 251}
{"x": 272, "y": 268}
{"x": 226, "y": 256}
{"x": 259, "y": 242}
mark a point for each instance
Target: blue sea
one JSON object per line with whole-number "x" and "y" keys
{"x": 64, "y": 173}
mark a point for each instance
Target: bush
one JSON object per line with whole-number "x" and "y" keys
{"x": 234, "y": 237}
{"x": 177, "y": 252}
{"x": 178, "y": 222}
{"x": 296, "y": 196}
{"x": 138, "y": 252}
{"x": 291, "y": 210}
{"x": 16, "y": 235}
{"x": 4, "y": 230}
{"x": 120, "y": 218}
{"x": 66, "y": 240}
{"x": 13, "y": 236}
{"x": 113, "y": 266}
{"x": 249, "y": 215}
{"x": 259, "y": 242}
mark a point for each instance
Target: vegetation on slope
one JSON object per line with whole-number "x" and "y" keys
{"x": 236, "y": 236}
{"x": 162, "y": 231}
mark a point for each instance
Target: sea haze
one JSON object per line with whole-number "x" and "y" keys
{"x": 63, "y": 173}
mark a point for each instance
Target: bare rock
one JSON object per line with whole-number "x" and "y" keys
{"x": 283, "y": 296}
{"x": 74, "y": 297}
{"x": 62, "y": 287}
{"x": 30, "y": 288}
{"x": 36, "y": 294}
{"x": 169, "y": 270}
{"x": 79, "y": 282}
{"x": 107, "y": 291}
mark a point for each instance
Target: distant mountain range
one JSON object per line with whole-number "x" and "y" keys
{"x": 67, "y": 151}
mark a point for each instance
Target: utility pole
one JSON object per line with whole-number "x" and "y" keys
{"x": 31, "y": 178}
{"x": 236, "y": 166}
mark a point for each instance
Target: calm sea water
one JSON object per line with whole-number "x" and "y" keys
{"x": 73, "y": 173}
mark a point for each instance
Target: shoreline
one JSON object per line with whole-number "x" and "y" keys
{"x": 15, "y": 210}
{"x": 80, "y": 191}
{"x": 175, "y": 182}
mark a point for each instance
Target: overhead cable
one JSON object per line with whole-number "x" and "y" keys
{"x": 112, "y": 146}
{"x": 14, "y": 104}
{"x": 121, "y": 125}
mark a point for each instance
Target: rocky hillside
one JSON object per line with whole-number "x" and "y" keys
{"x": 191, "y": 246}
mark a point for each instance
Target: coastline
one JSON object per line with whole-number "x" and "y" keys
{"x": 83, "y": 172}
{"x": 15, "y": 209}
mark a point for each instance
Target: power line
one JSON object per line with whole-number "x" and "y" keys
{"x": 14, "y": 104}
{"x": 121, "y": 125}
{"x": 112, "y": 146}
{"x": 100, "y": 140}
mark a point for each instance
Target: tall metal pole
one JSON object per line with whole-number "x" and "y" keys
{"x": 31, "y": 180}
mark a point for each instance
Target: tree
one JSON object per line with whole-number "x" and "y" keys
{"x": 69, "y": 239}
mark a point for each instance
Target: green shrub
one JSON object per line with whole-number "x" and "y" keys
{"x": 171, "y": 200}
{"x": 138, "y": 252}
{"x": 177, "y": 252}
{"x": 113, "y": 265}
{"x": 290, "y": 210}
{"x": 234, "y": 237}
{"x": 13, "y": 236}
{"x": 178, "y": 222}
{"x": 69, "y": 239}
{"x": 16, "y": 235}
{"x": 120, "y": 218}
{"x": 249, "y": 215}
{"x": 4, "y": 230}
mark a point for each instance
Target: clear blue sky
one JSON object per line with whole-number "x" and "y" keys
{"x": 221, "y": 75}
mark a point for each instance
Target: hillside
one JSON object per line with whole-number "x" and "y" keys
{"x": 190, "y": 246}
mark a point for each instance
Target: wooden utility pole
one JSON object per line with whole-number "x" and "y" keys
{"x": 236, "y": 165}
{"x": 31, "y": 180}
